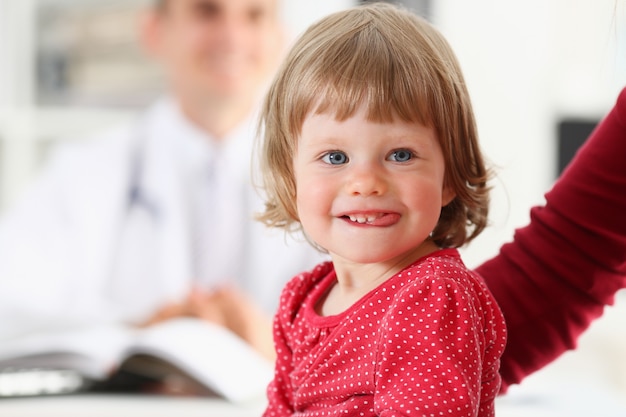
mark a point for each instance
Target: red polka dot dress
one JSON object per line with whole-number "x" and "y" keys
{"x": 426, "y": 342}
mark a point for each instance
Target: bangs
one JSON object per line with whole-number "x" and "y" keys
{"x": 368, "y": 66}
{"x": 367, "y": 75}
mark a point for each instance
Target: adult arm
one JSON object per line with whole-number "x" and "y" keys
{"x": 560, "y": 270}
{"x": 35, "y": 249}
{"x": 280, "y": 400}
{"x": 54, "y": 241}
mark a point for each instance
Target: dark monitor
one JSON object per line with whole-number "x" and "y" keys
{"x": 572, "y": 133}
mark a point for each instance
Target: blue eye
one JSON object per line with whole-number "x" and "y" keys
{"x": 401, "y": 155}
{"x": 335, "y": 158}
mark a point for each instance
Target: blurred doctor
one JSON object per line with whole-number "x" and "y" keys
{"x": 154, "y": 219}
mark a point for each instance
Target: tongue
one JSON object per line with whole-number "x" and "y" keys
{"x": 384, "y": 220}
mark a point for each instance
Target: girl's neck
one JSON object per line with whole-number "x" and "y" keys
{"x": 355, "y": 280}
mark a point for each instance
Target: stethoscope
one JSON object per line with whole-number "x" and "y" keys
{"x": 135, "y": 199}
{"x": 136, "y": 196}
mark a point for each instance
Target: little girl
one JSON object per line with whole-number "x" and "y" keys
{"x": 370, "y": 147}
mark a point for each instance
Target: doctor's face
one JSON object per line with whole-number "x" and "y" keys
{"x": 217, "y": 49}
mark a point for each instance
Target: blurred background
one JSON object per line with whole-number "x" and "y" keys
{"x": 541, "y": 74}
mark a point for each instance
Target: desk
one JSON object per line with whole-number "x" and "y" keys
{"x": 92, "y": 405}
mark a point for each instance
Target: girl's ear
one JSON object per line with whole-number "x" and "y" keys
{"x": 447, "y": 196}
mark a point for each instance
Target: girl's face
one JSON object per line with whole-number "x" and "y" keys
{"x": 369, "y": 192}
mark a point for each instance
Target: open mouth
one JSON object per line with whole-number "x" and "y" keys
{"x": 364, "y": 218}
{"x": 372, "y": 219}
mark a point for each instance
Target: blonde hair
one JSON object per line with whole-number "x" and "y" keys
{"x": 397, "y": 65}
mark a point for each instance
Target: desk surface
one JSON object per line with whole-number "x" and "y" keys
{"x": 160, "y": 406}
{"x": 124, "y": 405}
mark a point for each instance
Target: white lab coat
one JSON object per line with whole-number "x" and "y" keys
{"x": 108, "y": 232}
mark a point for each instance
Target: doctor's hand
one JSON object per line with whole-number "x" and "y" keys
{"x": 235, "y": 311}
{"x": 227, "y": 307}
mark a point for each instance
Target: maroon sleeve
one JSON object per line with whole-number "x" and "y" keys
{"x": 560, "y": 270}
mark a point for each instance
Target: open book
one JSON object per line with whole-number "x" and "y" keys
{"x": 205, "y": 357}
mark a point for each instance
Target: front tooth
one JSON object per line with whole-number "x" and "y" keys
{"x": 362, "y": 218}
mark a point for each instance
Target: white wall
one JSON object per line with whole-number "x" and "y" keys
{"x": 15, "y": 57}
{"x": 526, "y": 64}
{"x": 300, "y": 14}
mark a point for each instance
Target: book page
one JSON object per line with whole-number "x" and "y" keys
{"x": 210, "y": 354}
{"x": 95, "y": 352}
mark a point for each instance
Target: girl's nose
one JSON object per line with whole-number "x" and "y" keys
{"x": 366, "y": 180}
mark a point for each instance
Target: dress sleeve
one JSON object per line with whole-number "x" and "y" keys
{"x": 435, "y": 357}
{"x": 280, "y": 391}
{"x": 560, "y": 270}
